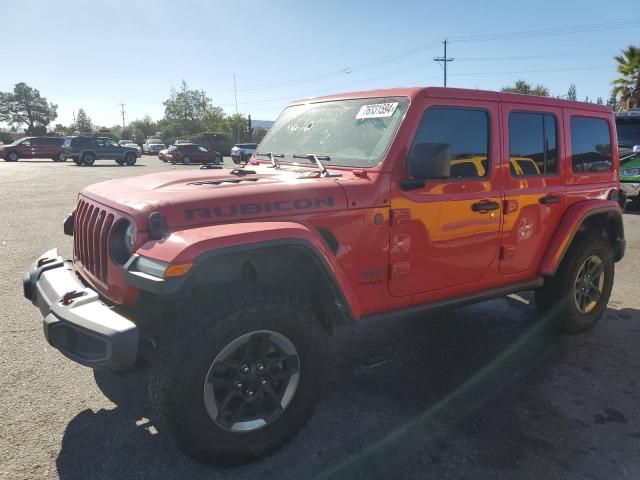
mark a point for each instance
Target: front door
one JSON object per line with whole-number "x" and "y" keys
{"x": 534, "y": 187}
{"x": 447, "y": 233}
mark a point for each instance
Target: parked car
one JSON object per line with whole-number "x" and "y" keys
{"x": 236, "y": 278}
{"x": 132, "y": 144}
{"x": 628, "y": 130}
{"x": 241, "y": 152}
{"x": 86, "y": 150}
{"x": 162, "y": 154}
{"x": 189, "y": 153}
{"x": 179, "y": 142}
{"x": 152, "y": 146}
{"x": 33, "y": 147}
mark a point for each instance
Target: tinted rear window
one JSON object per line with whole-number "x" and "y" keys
{"x": 590, "y": 145}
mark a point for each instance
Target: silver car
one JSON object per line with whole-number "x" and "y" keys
{"x": 241, "y": 152}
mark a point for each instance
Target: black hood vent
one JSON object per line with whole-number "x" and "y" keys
{"x": 228, "y": 180}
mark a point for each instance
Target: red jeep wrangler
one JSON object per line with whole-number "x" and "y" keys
{"x": 228, "y": 282}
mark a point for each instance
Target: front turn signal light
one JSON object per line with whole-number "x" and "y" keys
{"x": 177, "y": 270}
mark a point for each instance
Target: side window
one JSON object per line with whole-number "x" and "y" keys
{"x": 590, "y": 145}
{"x": 202, "y": 149}
{"x": 465, "y": 131}
{"x": 36, "y": 142}
{"x": 100, "y": 142}
{"x": 533, "y": 144}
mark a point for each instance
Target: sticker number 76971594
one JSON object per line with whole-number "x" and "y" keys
{"x": 376, "y": 110}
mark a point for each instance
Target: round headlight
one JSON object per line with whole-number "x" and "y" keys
{"x": 130, "y": 238}
{"x": 123, "y": 239}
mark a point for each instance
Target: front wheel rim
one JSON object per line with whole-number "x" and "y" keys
{"x": 589, "y": 284}
{"x": 252, "y": 381}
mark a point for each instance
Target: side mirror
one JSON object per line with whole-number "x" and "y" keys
{"x": 430, "y": 161}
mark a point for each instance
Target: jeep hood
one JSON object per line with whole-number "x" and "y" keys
{"x": 207, "y": 196}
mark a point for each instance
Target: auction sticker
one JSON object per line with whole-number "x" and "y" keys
{"x": 377, "y": 110}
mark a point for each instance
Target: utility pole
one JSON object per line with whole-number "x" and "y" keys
{"x": 235, "y": 94}
{"x": 74, "y": 118}
{"x": 122, "y": 110}
{"x": 444, "y": 59}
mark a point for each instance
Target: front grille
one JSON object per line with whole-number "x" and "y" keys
{"x": 92, "y": 225}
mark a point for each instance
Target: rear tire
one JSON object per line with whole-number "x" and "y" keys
{"x": 87, "y": 159}
{"x": 11, "y": 157}
{"x": 208, "y": 353}
{"x": 576, "y": 297}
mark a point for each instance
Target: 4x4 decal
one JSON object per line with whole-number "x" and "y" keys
{"x": 256, "y": 208}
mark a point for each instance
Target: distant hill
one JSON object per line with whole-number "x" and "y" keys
{"x": 261, "y": 123}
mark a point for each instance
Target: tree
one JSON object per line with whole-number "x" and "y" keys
{"x": 237, "y": 126}
{"x": 83, "y": 122}
{"x": 525, "y": 88}
{"x": 627, "y": 87}
{"x": 572, "y": 94}
{"x": 214, "y": 120}
{"x": 613, "y": 101}
{"x": 186, "y": 108}
{"x": 25, "y": 106}
{"x": 141, "y": 129}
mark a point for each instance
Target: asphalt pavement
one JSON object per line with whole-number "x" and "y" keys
{"x": 480, "y": 392}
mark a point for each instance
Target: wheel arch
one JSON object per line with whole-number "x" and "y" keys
{"x": 288, "y": 256}
{"x": 601, "y": 216}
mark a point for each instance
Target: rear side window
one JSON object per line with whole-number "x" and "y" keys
{"x": 590, "y": 145}
{"x": 37, "y": 141}
{"x": 466, "y": 131}
{"x": 533, "y": 144}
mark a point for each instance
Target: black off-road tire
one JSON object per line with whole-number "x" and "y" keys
{"x": 130, "y": 159}
{"x": 184, "y": 356}
{"x": 87, "y": 159}
{"x": 555, "y": 299}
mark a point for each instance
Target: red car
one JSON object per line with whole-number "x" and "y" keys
{"x": 366, "y": 206}
{"x": 189, "y": 153}
{"x": 33, "y": 147}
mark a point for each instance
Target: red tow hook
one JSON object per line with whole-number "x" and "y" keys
{"x": 68, "y": 297}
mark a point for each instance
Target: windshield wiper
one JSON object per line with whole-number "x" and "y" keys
{"x": 274, "y": 163}
{"x": 317, "y": 159}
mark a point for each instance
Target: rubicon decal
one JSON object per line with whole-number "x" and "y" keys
{"x": 257, "y": 208}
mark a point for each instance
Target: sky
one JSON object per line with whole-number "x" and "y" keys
{"x": 96, "y": 55}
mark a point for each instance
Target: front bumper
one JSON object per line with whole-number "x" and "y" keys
{"x": 76, "y": 321}
{"x": 630, "y": 188}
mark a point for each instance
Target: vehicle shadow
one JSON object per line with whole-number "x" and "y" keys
{"x": 452, "y": 394}
{"x": 108, "y": 165}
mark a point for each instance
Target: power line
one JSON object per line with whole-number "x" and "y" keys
{"x": 569, "y": 69}
{"x": 548, "y": 32}
{"x": 444, "y": 60}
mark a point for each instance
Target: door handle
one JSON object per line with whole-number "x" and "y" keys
{"x": 483, "y": 207}
{"x": 549, "y": 200}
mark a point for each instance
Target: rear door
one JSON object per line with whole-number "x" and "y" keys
{"x": 534, "y": 183}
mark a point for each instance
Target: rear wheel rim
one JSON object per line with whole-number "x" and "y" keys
{"x": 589, "y": 284}
{"x": 252, "y": 381}
{"x": 13, "y": 157}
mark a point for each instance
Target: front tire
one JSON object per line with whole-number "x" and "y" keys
{"x": 576, "y": 297}
{"x": 11, "y": 157}
{"x": 239, "y": 377}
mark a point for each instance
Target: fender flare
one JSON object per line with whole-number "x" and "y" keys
{"x": 570, "y": 224}
{"x": 198, "y": 245}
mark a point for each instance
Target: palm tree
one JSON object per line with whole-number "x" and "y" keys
{"x": 627, "y": 87}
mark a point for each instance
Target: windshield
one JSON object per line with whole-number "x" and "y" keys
{"x": 353, "y": 133}
{"x": 18, "y": 141}
{"x": 628, "y": 133}
{"x": 154, "y": 141}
